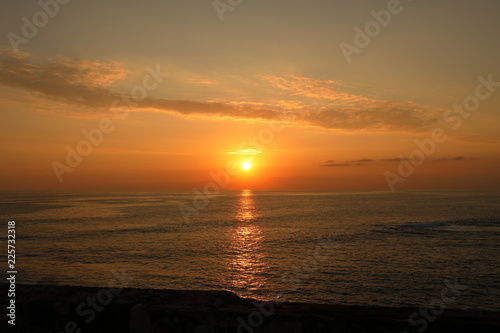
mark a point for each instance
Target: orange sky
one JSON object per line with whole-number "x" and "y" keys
{"x": 172, "y": 94}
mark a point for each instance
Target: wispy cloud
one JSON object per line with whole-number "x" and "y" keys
{"x": 446, "y": 159}
{"x": 363, "y": 160}
{"x": 366, "y": 161}
{"x": 84, "y": 88}
{"x": 249, "y": 151}
{"x": 332, "y": 106}
{"x": 333, "y": 164}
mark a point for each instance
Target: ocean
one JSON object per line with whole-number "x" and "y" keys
{"x": 356, "y": 248}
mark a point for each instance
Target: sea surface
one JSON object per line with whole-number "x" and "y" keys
{"x": 359, "y": 248}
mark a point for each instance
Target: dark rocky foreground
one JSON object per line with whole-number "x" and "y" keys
{"x": 81, "y": 309}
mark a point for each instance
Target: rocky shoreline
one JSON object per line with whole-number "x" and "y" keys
{"x": 83, "y": 309}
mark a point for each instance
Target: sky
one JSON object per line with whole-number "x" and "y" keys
{"x": 315, "y": 95}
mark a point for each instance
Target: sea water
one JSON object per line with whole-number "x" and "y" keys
{"x": 359, "y": 248}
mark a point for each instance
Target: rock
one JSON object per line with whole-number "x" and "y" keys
{"x": 67, "y": 309}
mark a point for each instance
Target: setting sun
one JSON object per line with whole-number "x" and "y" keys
{"x": 246, "y": 165}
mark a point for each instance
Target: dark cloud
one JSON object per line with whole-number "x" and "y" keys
{"x": 457, "y": 158}
{"x": 363, "y": 160}
{"x": 333, "y": 164}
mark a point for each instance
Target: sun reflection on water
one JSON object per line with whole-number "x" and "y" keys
{"x": 246, "y": 265}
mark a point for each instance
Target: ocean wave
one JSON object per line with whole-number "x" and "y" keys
{"x": 435, "y": 224}
{"x": 458, "y": 225}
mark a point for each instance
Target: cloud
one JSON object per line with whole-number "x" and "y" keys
{"x": 333, "y": 164}
{"x": 457, "y": 158}
{"x": 312, "y": 88}
{"x": 72, "y": 81}
{"x": 379, "y": 118}
{"x": 200, "y": 81}
{"x": 84, "y": 88}
{"x": 399, "y": 159}
{"x": 249, "y": 151}
{"x": 334, "y": 107}
{"x": 363, "y": 160}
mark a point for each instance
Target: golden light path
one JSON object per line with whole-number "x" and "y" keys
{"x": 246, "y": 265}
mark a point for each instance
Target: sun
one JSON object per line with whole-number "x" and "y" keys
{"x": 246, "y": 165}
